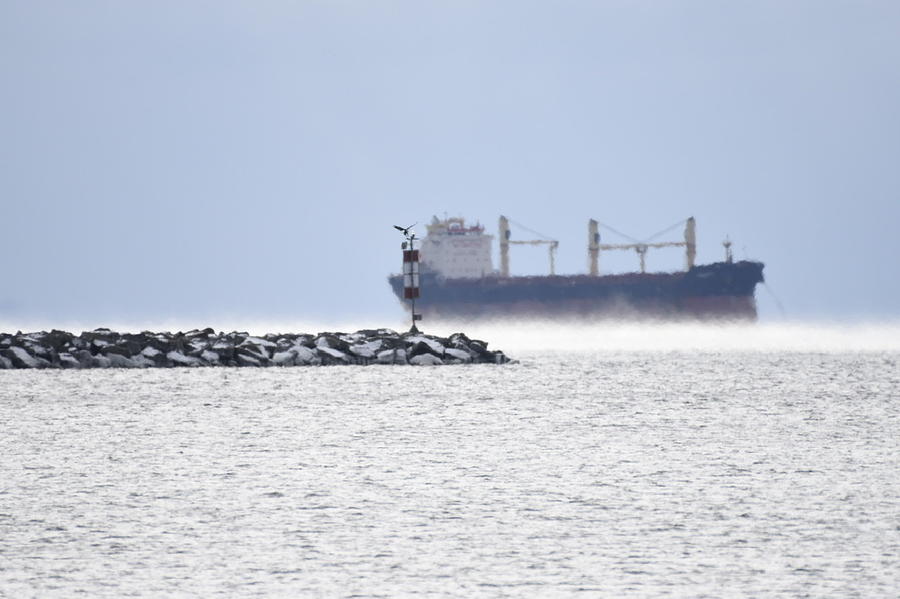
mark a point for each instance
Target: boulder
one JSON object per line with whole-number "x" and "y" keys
{"x": 204, "y": 334}
{"x": 500, "y": 357}
{"x": 283, "y": 343}
{"x": 366, "y": 349}
{"x": 43, "y": 353}
{"x": 426, "y": 359}
{"x": 392, "y": 342}
{"x": 20, "y": 358}
{"x": 305, "y": 340}
{"x": 258, "y": 342}
{"x": 332, "y": 341}
{"x": 177, "y": 343}
{"x": 329, "y": 355}
{"x": 224, "y": 347}
{"x": 100, "y": 361}
{"x": 120, "y": 361}
{"x": 459, "y": 341}
{"x": 455, "y": 355}
{"x": 421, "y": 347}
{"x": 431, "y": 344}
{"x": 306, "y": 356}
{"x": 392, "y": 356}
{"x": 237, "y": 338}
{"x": 210, "y": 357}
{"x": 57, "y": 340}
{"x": 244, "y": 359}
{"x": 284, "y": 358}
{"x": 84, "y": 357}
{"x": 153, "y": 356}
{"x": 99, "y": 337}
{"x": 67, "y": 360}
{"x": 133, "y": 343}
{"x": 75, "y": 344}
{"x": 116, "y": 350}
{"x": 161, "y": 343}
{"x": 142, "y": 362}
{"x": 479, "y": 352}
{"x": 196, "y": 347}
{"x": 255, "y": 353}
{"x": 36, "y": 347}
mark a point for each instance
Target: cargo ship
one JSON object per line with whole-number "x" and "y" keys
{"x": 457, "y": 280}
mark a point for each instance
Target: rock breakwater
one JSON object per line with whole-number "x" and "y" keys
{"x": 103, "y": 348}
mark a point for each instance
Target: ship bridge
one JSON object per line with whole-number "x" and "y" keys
{"x": 457, "y": 251}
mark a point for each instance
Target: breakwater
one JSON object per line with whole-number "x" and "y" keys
{"x": 103, "y": 348}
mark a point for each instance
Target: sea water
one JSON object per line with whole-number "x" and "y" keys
{"x": 649, "y": 462}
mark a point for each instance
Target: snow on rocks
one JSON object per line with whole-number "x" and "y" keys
{"x": 179, "y": 359}
{"x": 103, "y": 348}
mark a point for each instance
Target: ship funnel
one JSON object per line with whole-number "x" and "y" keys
{"x": 690, "y": 242}
{"x": 593, "y": 247}
{"x": 504, "y": 247}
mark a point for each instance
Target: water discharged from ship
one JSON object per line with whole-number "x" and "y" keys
{"x": 458, "y": 281}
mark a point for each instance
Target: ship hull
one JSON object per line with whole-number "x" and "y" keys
{"x": 714, "y": 291}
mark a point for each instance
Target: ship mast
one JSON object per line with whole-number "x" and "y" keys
{"x": 593, "y": 248}
{"x": 690, "y": 242}
{"x": 504, "y": 247}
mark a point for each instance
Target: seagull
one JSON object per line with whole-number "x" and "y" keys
{"x": 405, "y": 231}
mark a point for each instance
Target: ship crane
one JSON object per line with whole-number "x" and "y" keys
{"x": 553, "y": 244}
{"x": 505, "y": 242}
{"x": 641, "y": 247}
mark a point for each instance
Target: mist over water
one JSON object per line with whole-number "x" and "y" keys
{"x": 561, "y": 335}
{"x": 705, "y": 337}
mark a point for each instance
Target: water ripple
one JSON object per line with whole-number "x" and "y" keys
{"x": 600, "y": 474}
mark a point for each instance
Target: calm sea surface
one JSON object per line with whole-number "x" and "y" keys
{"x": 582, "y": 473}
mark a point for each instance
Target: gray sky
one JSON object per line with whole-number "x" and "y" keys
{"x": 178, "y": 159}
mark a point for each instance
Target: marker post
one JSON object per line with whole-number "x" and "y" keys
{"x": 411, "y": 279}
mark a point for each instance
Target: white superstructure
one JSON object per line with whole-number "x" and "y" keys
{"x": 456, "y": 251}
